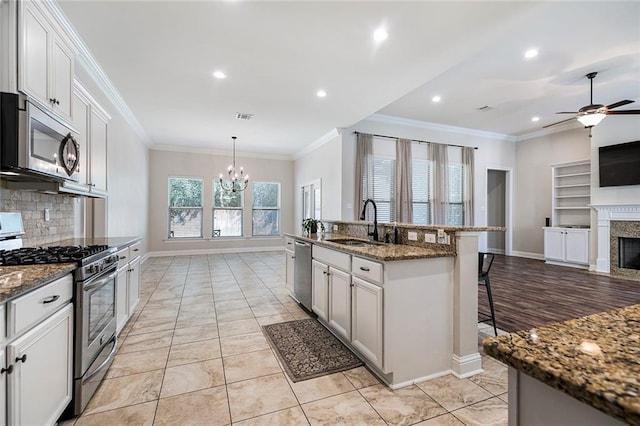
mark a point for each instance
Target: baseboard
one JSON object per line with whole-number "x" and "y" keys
{"x": 466, "y": 366}
{"x": 528, "y": 255}
{"x": 496, "y": 251}
{"x": 419, "y": 379}
{"x": 166, "y": 253}
{"x": 144, "y": 258}
{"x": 569, "y": 265}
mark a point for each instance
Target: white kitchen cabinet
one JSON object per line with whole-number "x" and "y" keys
{"x": 320, "y": 289}
{"x": 567, "y": 246}
{"x": 40, "y": 385}
{"x": 98, "y": 159}
{"x": 4, "y": 371}
{"x": 339, "y": 317}
{"x": 127, "y": 284}
{"x": 122, "y": 305}
{"x": 45, "y": 61}
{"x": 133, "y": 284}
{"x": 366, "y": 327}
{"x": 289, "y": 263}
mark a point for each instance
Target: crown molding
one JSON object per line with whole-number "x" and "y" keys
{"x": 332, "y": 134}
{"x": 221, "y": 152}
{"x": 389, "y": 119}
{"x": 548, "y": 131}
{"x": 91, "y": 65}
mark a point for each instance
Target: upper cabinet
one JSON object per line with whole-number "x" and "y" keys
{"x": 45, "y": 61}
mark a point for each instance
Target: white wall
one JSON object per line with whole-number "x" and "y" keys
{"x": 324, "y": 163}
{"x": 127, "y": 173}
{"x": 532, "y": 195}
{"x": 165, "y": 164}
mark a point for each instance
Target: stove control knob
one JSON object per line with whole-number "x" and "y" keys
{"x": 90, "y": 269}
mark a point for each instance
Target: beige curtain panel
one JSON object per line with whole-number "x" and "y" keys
{"x": 468, "y": 153}
{"x": 440, "y": 201}
{"x": 404, "y": 191}
{"x": 364, "y": 171}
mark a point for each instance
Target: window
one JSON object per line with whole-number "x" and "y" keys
{"x": 421, "y": 188}
{"x": 384, "y": 185}
{"x": 185, "y": 208}
{"x": 227, "y": 212}
{"x": 265, "y": 218}
{"x": 456, "y": 193}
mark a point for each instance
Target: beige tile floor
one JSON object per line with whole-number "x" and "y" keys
{"x": 194, "y": 354}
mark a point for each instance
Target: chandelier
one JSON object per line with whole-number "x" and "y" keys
{"x": 236, "y": 181}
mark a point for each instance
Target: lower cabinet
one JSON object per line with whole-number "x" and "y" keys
{"x": 133, "y": 284}
{"x": 40, "y": 384}
{"x": 127, "y": 284}
{"x": 366, "y": 327}
{"x": 289, "y": 263}
{"x": 340, "y": 302}
{"x": 567, "y": 245}
{"x": 3, "y": 385}
{"x": 122, "y": 306}
{"x": 320, "y": 289}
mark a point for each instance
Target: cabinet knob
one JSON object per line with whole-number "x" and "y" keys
{"x": 57, "y": 102}
{"x": 22, "y": 358}
{"x": 52, "y": 100}
{"x": 7, "y": 370}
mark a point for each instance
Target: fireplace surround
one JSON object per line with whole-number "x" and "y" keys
{"x": 616, "y": 222}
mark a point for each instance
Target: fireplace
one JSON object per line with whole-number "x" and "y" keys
{"x": 629, "y": 253}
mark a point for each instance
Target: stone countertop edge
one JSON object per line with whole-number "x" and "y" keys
{"x": 452, "y": 228}
{"x": 18, "y": 280}
{"x": 384, "y": 252}
{"x": 595, "y": 359}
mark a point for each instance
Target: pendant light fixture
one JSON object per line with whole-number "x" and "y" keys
{"x": 237, "y": 180}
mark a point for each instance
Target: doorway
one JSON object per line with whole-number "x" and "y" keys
{"x": 498, "y": 210}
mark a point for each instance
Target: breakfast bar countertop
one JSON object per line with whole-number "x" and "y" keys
{"x": 378, "y": 251}
{"x": 594, "y": 359}
{"x": 18, "y": 280}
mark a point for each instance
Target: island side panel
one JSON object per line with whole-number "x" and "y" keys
{"x": 418, "y": 298}
{"x": 466, "y": 360}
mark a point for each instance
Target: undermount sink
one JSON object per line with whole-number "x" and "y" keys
{"x": 355, "y": 243}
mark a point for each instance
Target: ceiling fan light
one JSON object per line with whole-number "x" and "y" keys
{"x": 590, "y": 120}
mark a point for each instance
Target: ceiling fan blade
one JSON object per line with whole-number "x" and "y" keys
{"x": 624, "y": 111}
{"x": 567, "y": 112}
{"x": 559, "y": 122}
{"x": 619, "y": 104}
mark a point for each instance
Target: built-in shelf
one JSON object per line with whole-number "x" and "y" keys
{"x": 571, "y": 194}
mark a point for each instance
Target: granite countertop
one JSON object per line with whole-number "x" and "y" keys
{"x": 18, "y": 280}
{"x": 595, "y": 359}
{"x": 385, "y": 252}
{"x": 452, "y": 228}
{"x": 119, "y": 242}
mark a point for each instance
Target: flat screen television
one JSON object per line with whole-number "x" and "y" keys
{"x": 620, "y": 164}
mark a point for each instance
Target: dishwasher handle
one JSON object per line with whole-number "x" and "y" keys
{"x": 303, "y": 244}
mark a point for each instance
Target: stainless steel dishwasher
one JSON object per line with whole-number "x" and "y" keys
{"x": 302, "y": 274}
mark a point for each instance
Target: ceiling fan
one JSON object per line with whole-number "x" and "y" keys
{"x": 592, "y": 114}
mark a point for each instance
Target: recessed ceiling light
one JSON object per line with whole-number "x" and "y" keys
{"x": 219, "y": 75}
{"x": 380, "y": 34}
{"x": 534, "y": 119}
{"x": 321, "y": 93}
{"x": 531, "y": 53}
{"x": 436, "y": 99}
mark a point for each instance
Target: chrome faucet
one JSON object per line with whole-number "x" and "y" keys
{"x": 374, "y": 234}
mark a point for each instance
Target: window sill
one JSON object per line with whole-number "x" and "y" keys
{"x": 221, "y": 239}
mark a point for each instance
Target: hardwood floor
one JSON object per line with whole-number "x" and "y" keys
{"x": 528, "y": 293}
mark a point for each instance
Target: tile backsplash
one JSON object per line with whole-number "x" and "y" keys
{"x": 39, "y": 232}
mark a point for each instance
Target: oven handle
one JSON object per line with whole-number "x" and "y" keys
{"x": 113, "y": 351}
{"x": 101, "y": 281}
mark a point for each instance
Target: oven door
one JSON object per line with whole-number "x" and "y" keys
{"x": 98, "y": 313}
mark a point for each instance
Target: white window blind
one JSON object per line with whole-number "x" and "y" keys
{"x": 384, "y": 184}
{"x": 421, "y": 186}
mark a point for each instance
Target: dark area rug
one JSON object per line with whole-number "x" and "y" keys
{"x": 308, "y": 350}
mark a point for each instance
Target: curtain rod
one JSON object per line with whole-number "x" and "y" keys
{"x": 412, "y": 140}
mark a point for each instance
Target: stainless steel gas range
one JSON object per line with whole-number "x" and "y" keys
{"x": 95, "y": 338}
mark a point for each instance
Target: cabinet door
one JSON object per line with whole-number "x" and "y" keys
{"x": 122, "y": 305}
{"x": 133, "y": 284}
{"x": 367, "y": 320}
{"x": 34, "y": 46}
{"x": 320, "y": 290}
{"x": 577, "y": 246}
{"x": 40, "y": 386}
{"x": 340, "y": 302}
{"x": 62, "y": 78}
{"x": 98, "y": 138}
{"x": 554, "y": 244}
{"x": 3, "y": 388}
{"x": 81, "y": 123}
{"x": 289, "y": 262}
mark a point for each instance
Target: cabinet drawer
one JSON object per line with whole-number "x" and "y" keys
{"x": 332, "y": 257}
{"x": 288, "y": 243}
{"x": 123, "y": 257}
{"x": 134, "y": 250}
{"x": 28, "y": 310}
{"x": 371, "y": 271}
{"x": 3, "y": 326}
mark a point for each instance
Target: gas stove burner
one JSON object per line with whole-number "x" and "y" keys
{"x": 54, "y": 254}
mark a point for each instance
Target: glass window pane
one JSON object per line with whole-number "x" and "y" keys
{"x": 421, "y": 213}
{"x": 223, "y": 198}
{"x": 185, "y": 222}
{"x": 456, "y": 214}
{"x": 265, "y": 194}
{"x": 266, "y": 222}
{"x": 227, "y": 223}
{"x": 185, "y": 192}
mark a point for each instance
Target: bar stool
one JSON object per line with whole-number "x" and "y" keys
{"x": 485, "y": 260}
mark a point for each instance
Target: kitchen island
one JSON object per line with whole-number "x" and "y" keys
{"x": 409, "y": 311}
{"x": 582, "y": 371}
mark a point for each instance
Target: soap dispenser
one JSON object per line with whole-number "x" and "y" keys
{"x": 395, "y": 232}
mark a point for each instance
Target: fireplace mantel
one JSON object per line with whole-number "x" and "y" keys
{"x": 606, "y": 214}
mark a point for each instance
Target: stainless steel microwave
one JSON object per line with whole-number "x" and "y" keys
{"x": 34, "y": 145}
